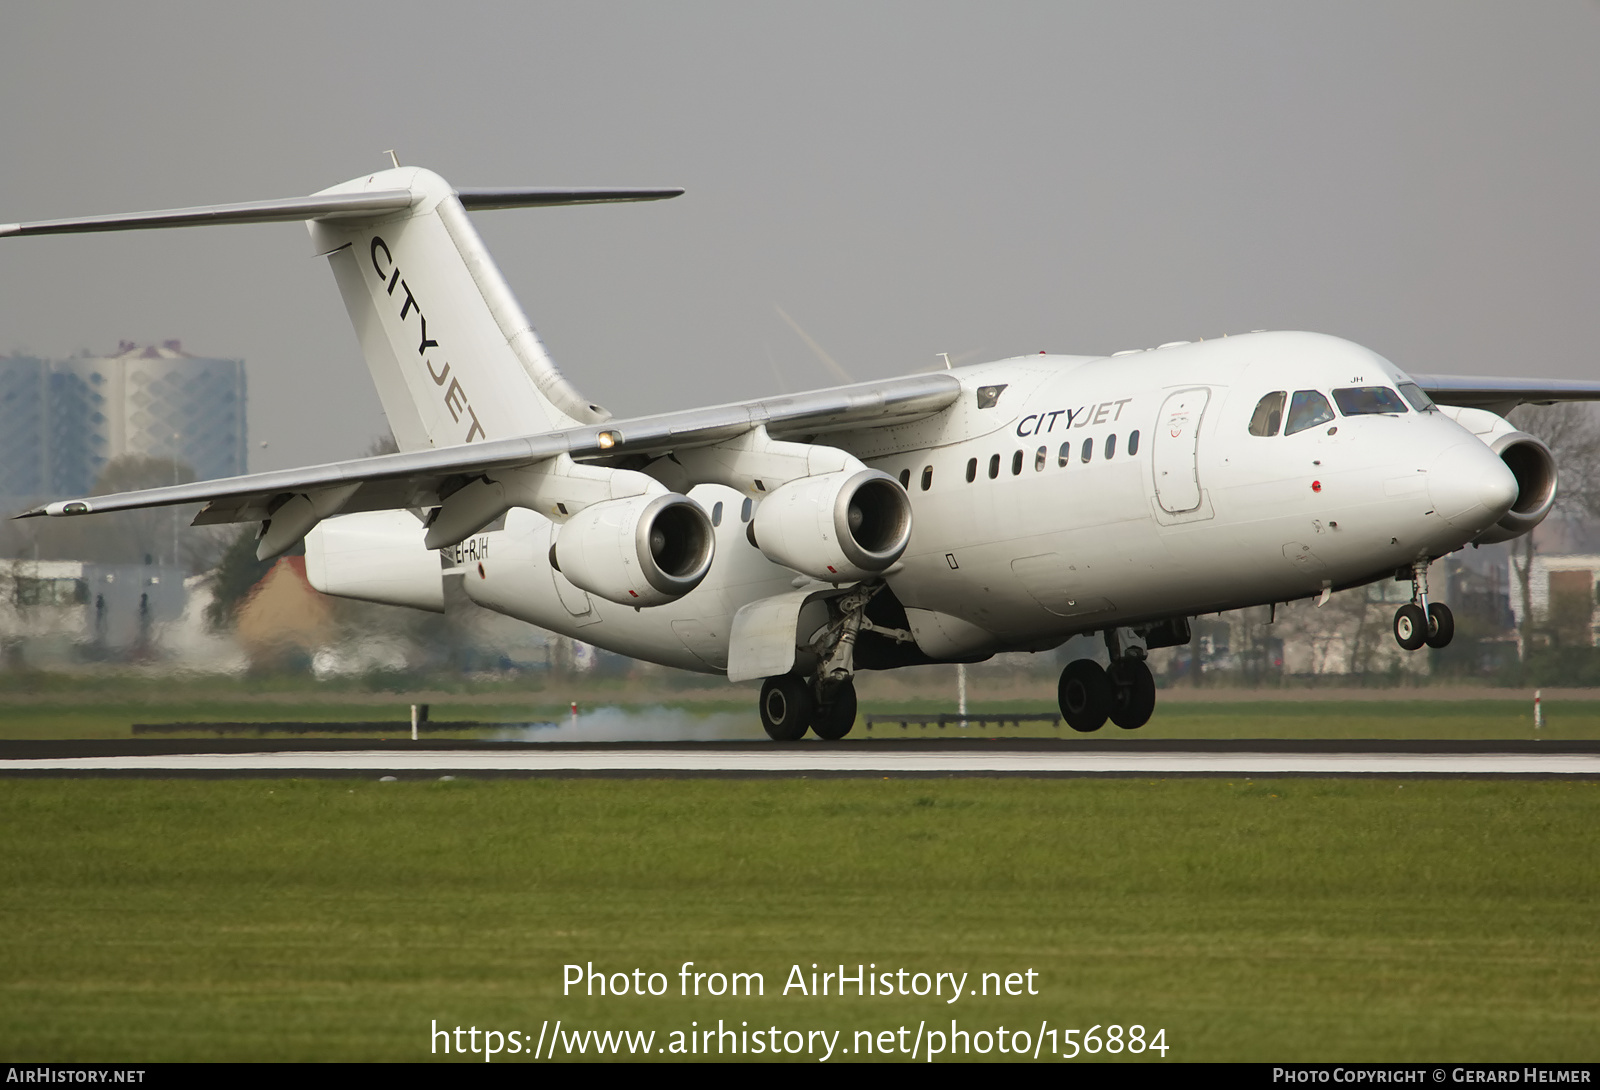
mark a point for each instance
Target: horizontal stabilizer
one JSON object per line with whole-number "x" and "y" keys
{"x": 524, "y": 197}
{"x": 328, "y": 206}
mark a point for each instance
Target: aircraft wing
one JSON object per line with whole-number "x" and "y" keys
{"x": 1502, "y": 394}
{"x": 422, "y": 478}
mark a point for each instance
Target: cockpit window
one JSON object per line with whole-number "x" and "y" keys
{"x": 1419, "y": 400}
{"x": 1269, "y": 414}
{"x": 1307, "y": 409}
{"x": 1368, "y": 400}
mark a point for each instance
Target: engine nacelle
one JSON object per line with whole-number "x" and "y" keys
{"x": 375, "y": 556}
{"x": 1530, "y": 461}
{"x": 640, "y": 551}
{"x": 836, "y": 527}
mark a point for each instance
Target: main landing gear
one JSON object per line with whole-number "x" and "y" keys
{"x": 1419, "y": 621}
{"x": 1125, "y": 692}
{"x": 789, "y": 707}
{"x": 825, "y": 701}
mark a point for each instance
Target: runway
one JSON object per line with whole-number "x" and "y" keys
{"x": 1029, "y": 758}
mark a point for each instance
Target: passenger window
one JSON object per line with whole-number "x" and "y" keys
{"x": 994, "y": 466}
{"x": 1307, "y": 409}
{"x": 1269, "y": 414}
{"x": 716, "y": 513}
{"x": 746, "y": 509}
{"x": 972, "y": 470}
{"x": 1016, "y": 463}
{"x": 1368, "y": 401}
{"x": 1039, "y": 459}
{"x": 1088, "y": 449}
{"x": 905, "y": 477}
{"x": 927, "y": 477}
{"x": 1111, "y": 447}
{"x": 1133, "y": 443}
{"x": 1064, "y": 455}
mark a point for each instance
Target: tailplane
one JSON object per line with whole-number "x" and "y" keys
{"x": 452, "y": 355}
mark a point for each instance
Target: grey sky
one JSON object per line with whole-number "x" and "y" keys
{"x": 902, "y": 179}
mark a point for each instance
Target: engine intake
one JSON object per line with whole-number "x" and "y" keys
{"x": 1534, "y": 467}
{"x": 640, "y": 551}
{"x": 836, "y": 527}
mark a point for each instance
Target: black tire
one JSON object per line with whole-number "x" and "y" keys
{"x": 786, "y": 708}
{"x": 1084, "y": 695}
{"x": 833, "y": 720}
{"x": 1410, "y": 626}
{"x": 1133, "y": 694}
{"x": 1441, "y": 625}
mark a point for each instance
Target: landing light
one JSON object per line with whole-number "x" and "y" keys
{"x": 607, "y": 439}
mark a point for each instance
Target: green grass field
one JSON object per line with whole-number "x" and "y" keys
{"x": 1291, "y": 920}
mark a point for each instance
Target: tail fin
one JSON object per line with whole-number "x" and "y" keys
{"x": 453, "y": 357}
{"x": 451, "y": 353}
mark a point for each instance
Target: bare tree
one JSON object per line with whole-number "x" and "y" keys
{"x": 1573, "y": 435}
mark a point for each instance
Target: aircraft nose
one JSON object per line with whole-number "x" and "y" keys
{"x": 1470, "y": 486}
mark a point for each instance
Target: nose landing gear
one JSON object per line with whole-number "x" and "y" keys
{"x": 1419, "y": 621}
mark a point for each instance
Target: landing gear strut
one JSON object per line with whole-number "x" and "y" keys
{"x": 1419, "y": 621}
{"x": 1125, "y": 693}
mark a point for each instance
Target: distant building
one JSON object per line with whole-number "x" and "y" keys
{"x": 61, "y": 421}
{"x": 67, "y": 608}
{"x": 1561, "y": 592}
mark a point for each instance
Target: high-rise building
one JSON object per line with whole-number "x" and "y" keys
{"x": 61, "y": 421}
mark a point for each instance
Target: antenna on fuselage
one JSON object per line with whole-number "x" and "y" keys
{"x": 946, "y": 356}
{"x": 392, "y": 159}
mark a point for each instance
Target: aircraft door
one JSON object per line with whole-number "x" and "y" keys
{"x": 1175, "y": 452}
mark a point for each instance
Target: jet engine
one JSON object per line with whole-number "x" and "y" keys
{"x": 1530, "y": 461}
{"x": 836, "y": 527}
{"x": 375, "y": 556}
{"x": 639, "y": 551}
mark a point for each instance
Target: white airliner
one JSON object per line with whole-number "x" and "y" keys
{"x": 933, "y": 518}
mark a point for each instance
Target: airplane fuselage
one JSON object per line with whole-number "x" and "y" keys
{"x": 1065, "y": 494}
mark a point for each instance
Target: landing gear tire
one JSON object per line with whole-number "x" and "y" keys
{"x": 1085, "y": 695}
{"x": 787, "y": 707}
{"x": 1441, "y": 625}
{"x": 1133, "y": 694}
{"x": 1410, "y": 626}
{"x": 833, "y": 720}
